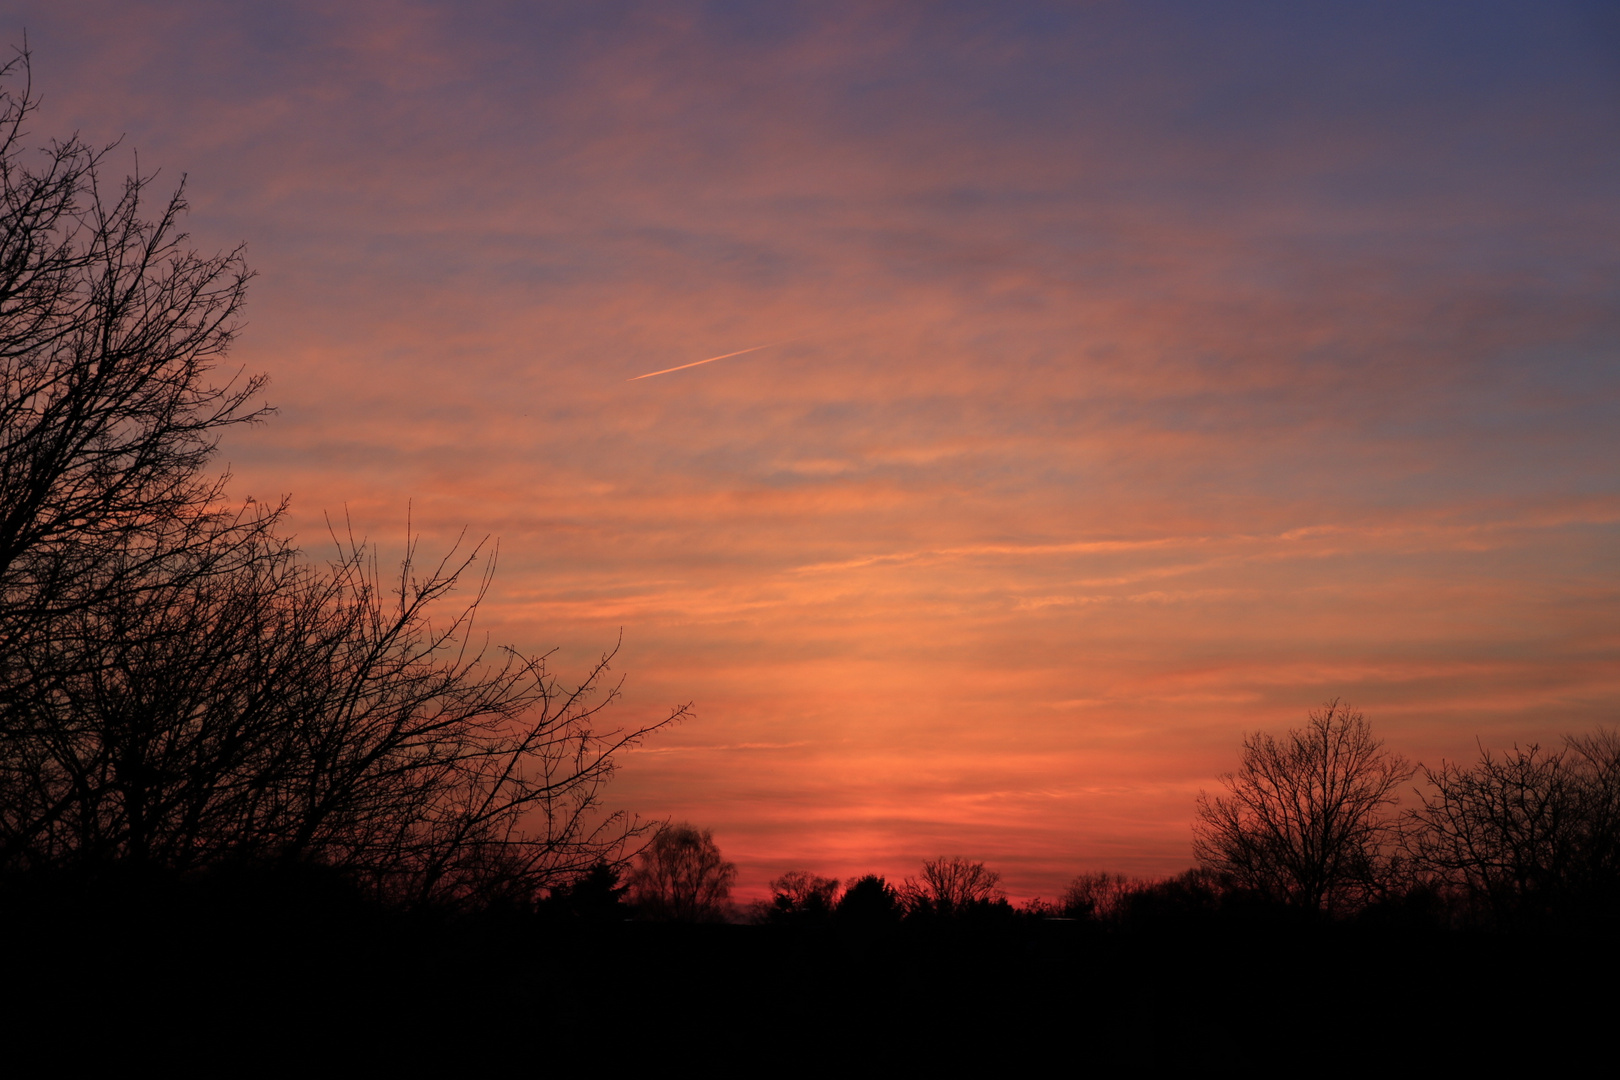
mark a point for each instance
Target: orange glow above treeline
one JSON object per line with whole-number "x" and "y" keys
{"x": 1138, "y": 384}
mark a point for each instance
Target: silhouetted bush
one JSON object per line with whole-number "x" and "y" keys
{"x": 595, "y": 897}
{"x": 869, "y": 901}
{"x": 1194, "y": 896}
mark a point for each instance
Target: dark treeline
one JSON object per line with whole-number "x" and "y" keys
{"x": 1309, "y": 828}
{"x": 249, "y": 797}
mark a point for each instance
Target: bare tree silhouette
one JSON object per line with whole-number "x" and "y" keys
{"x": 681, "y": 877}
{"x": 109, "y": 329}
{"x": 953, "y": 885}
{"x": 177, "y": 688}
{"x": 1096, "y": 895}
{"x": 1305, "y": 819}
{"x": 1529, "y": 834}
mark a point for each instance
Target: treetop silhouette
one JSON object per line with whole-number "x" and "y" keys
{"x": 1305, "y": 819}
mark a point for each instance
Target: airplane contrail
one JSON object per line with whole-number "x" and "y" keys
{"x": 695, "y": 363}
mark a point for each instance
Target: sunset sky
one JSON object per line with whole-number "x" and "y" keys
{"x": 1125, "y": 377}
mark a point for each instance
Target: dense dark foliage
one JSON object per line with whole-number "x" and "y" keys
{"x": 870, "y": 901}
{"x": 1191, "y": 976}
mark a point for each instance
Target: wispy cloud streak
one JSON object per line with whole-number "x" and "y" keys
{"x": 1191, "y": 366}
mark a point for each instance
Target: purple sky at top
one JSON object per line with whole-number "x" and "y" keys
{"x": 1147, "y": 373}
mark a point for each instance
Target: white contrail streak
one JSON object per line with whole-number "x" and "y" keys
{"x": 695, "y": 363}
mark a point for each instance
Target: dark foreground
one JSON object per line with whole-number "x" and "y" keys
{"x": 249, "y": 977}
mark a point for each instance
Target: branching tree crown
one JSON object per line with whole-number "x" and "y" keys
{"x": 953, "y": 885}
{"x": 110, "y": 326}
{"x": 178, "y": 688}
{"x": 1096, "y": 894}
{"x": 1527, "y": 835}
{"x": 1306, "y": 818}
{"x": 681, "y": 877}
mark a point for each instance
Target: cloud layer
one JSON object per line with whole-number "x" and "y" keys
{"x": 1151, "y": 373}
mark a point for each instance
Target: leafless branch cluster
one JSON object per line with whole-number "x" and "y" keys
{"x": 802, "y": 895}
{"x": 952, "y": 884}
{"x": 287, "y": 712}
{"x": 1305, "y": 819}
{"x": 1097, "y": 894}
{"x": 1519, "y": 837}
{"x": 177, "y": 687}
{"x": 109, "y": 327}
{"x": 1528, "y": 834}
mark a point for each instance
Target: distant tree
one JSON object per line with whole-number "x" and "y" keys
{"x": 799, "y": 896}
{"x": 869, "y": 901}
{"x": 1528, "y": 835}
{"x": 1597, "y": 763}
{"x": 1305, "y": 819}
{"x": 596, "y": 896}
{"x": 681, "y": 877}
{"x": 1095, "y": 895}
{"x": 951, "y": 885}
{"x": 1188, "y": 897}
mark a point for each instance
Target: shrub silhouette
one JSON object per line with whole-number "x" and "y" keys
{"x": 870, "y": 901}
{"x": 596, "y": 896}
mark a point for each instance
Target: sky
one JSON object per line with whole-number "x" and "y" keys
{"x": 1125, "y": 378}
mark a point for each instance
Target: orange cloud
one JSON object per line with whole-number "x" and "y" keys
{"x": 1138, "y": 390}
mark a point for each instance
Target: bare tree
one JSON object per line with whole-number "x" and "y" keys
{"x": 1529, "y": 834}
{"x": 1305, "y": 819}
{"x": 681, "y": 877}
{"x": 177, "y": 687}
{"x": 109, "y": 329}
{"x": 1596, "y": 760}
{"x": 1096, "y": 895}
{"x": 289, "y": 713}
{"x": 952, "y": 885}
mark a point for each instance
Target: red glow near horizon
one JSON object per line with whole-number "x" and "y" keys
{"x": 1119, "y": 409}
